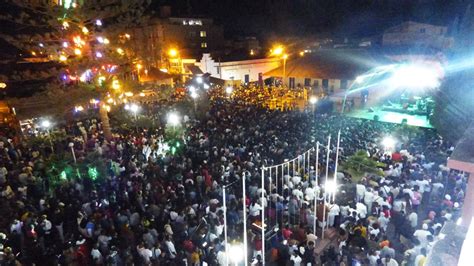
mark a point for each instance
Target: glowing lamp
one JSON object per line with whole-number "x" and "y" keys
{"x": 77, "y": 51}
{"x": 330, "y": 187}
{"x": 194, "y": 95}
{"x": 120, "y": 51}
{"x": 236, "y": 253}
{"x": 106, "y": 41}
{"x": 229, "y": 90}
{"x": 98, "y": 54}
{"x": 98, "y": 22}
{"x": 199, "y": 80}
{"x": 46, "y": 124}
{"x": 173, "y": 52}
{"x": 85, "y": 30}
{"x": 313, "y": 100}
{"x": 388, "y": 142}
{"x": 62, "y": 58}
{"x": 206, "y": 86}
{"x": 115, "y": 84}
{"x": 134, "y": 108}
{"x": 277, "y": 50}
{"x": 173, "y": 119}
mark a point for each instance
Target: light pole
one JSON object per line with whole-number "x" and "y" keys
{"x": 71, "y": 145}
{"x": 229, "y": 90}
{"x": 173, "y": 120}
{"x": 285, "y": 56}
{"x": 46, "y": 125}
{"x": 244, "y": 208}
{"x": 225, "y": 226}
{"x": 194, "y": 95}
{"x": 313, "y": 100}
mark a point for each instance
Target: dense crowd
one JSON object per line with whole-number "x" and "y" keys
{"x": 153, "y": 208}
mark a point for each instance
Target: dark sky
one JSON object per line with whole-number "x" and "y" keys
{"x": 348, "y": 18}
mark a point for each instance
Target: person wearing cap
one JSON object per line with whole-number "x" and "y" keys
{"x": 422, "y": 234}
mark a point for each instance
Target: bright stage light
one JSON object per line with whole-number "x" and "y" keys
{"x": 389, "y": 142}
{"x": 229, "y": 90}
{"x": 313, "y": 100}
{"x": 415, "y": 76}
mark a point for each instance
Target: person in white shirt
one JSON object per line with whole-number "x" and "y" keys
{"x": 360, "y": 191}
{"x": 296, "y": 259}
{"x": 361, "y": 210}
{"x": 387, "y": 261}
{"x": 383, "y": 221}
{"x": 369, "y": 199}
{"x": 422, "y": 234}
{"x": 145, "y": 253}
{"x": 333, "y": 212}
{"x": 413, "y": 219}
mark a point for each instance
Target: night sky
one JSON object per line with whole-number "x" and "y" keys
{"x": 348, "y": 18}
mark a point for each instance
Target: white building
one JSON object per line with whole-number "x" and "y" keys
{"x": 417, "y": 34}
{"x": 241, "y": 71}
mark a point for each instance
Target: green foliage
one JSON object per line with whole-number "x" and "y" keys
{"x": 360, "y": 164}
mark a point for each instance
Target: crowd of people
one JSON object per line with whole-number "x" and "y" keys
{"x": 154, "y": 208}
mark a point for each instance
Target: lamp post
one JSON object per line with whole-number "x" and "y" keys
{"x": 244, "y": 208}
{"x": 285, "y": 56}
{"x": 173, "y": 120}
{"x": 71, "y": 145}
{"x": 194, "y": 96}
{"x": 46, "y": 124}
{"x": 225, "y": 226}
{"x": 313, "y": 100}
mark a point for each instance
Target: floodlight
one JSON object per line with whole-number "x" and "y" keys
{"x": 388, "y": 142}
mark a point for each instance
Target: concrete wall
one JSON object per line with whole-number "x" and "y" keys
{"x": 236, "y": 70}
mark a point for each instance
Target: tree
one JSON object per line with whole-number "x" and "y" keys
{"x": 87, "y": 39}
{"x": 360, "y": 164}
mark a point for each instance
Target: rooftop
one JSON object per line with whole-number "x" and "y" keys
{"x": 327, "y": 64}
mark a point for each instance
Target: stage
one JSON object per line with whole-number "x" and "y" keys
{"x": 391, "y": 117}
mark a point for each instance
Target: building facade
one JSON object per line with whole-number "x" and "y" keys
{"x": 243, "y": 71}
{"x": 190, "y": 37}
{"x": 417, "y": 34}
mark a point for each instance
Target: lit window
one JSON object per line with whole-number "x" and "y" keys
{"x": 202, "y": 34}
{"x": 204, "y": 45}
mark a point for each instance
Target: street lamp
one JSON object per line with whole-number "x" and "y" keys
{"x": 194, "y": 96}
{"x": 285, "y": 56}
{"x": 46, "y": 124}
{"x": 173, "y": 119}
{"x": 173, "y": 52}
{"x": 389, "y": 143}
{"x": 134, "y": 108}
{"x": 229, "y": 90}
{"x": 313, "y": 100}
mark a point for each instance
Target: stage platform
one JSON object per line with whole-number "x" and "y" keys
{"x": 391, "y": 117}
